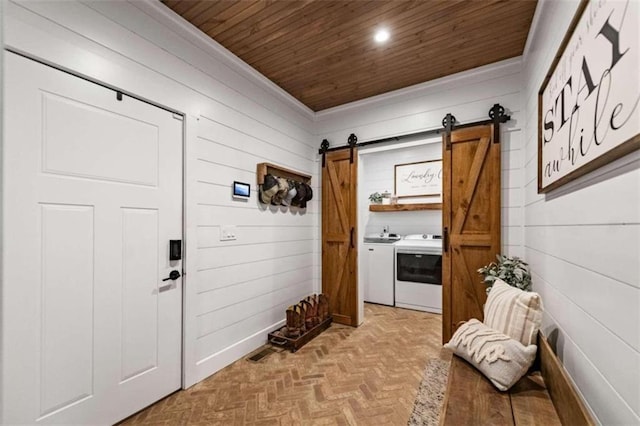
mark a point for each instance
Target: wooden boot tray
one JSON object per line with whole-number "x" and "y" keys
{"x": 296, "y": 343}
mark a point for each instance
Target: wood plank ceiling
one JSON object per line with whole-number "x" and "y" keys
{"x": 322, "y": 52}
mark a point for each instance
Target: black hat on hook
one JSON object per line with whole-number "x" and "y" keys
{"x": 301, "y": 195}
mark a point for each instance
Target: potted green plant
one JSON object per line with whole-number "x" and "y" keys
{"x": 375, "y": 198}
{"x": 512, "y": 270}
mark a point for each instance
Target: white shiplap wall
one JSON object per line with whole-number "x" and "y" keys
{"x": 583, "y": 244}
{"x": 377, "y": 175}
{"x": 244, "y": 285}
{"x": 468, "y": 96}
{"x": 236, "y": 291}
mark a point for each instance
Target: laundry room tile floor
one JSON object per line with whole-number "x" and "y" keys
{"x": 366, "y": 376}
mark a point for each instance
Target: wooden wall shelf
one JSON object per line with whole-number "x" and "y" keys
{"x": 404, "y": 207}
{"x": 267, "y": 168}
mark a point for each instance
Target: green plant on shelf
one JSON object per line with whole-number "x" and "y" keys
{"x": 375, "y": 198}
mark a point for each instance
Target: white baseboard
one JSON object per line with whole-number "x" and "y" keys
{"x": 419, "y": 308}
{"x": 216, "y": 362}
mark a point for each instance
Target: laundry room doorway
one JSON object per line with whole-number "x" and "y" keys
{"x": 92, "y": 293}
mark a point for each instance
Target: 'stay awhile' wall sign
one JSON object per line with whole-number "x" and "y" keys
{"x": 588, "y": 105}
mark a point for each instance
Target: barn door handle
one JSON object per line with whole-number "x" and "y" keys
{"x": 173, "y": 275}
{"x": 445, "y": 237}
{"x": 351, "y": 237}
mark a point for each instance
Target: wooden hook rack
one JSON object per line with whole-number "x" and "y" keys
{"x": 264, "y": 169}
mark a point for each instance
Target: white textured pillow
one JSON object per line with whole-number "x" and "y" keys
{"x": 501, "y": 359}
{"x": 514, "y": 312}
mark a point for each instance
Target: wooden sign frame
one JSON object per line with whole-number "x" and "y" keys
{"x": 586, "y": 80}
{"x": 417, "y": 165}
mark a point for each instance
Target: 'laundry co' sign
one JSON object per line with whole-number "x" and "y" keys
{"x": 588, "y": 106}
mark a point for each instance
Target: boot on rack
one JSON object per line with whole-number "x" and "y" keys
{"x": 323, "y": 307}
{"x": 295, "y": 320}
{"x": 311, "y": 312}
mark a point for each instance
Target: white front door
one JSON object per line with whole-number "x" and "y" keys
{"x": 92, "y": 194}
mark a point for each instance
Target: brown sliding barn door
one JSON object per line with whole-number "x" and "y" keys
{"x": 339, "y": 235}
{"x": 471, "y": 221}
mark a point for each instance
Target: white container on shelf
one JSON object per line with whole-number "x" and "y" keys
{"x": 386, "y": 198}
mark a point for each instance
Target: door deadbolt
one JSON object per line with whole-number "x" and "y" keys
{"x": 175, "y": 249}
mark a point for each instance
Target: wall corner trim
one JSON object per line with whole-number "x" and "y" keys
{"x": 164, "y": 15}
{"x": 532, "y": 30}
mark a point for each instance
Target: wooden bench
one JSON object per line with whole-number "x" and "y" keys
{"x": 543, "y": 397}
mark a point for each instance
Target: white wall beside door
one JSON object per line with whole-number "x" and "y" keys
{"x": 144, "y": 48}
{"x": 583, "y": 243}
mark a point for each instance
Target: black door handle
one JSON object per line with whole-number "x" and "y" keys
{"x": 445, "y": 243}
{"x": 351, "y": 237}
{"x": 173, "y": 275}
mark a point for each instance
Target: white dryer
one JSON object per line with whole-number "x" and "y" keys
{"x": 418, "y": 272}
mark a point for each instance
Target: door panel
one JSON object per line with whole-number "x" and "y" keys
{"x": 339, "y": 235}
{"x": 93, "y": 194}
{"x": 140, "y": 272}
{"x": 471, "y": 216}
{"x": 67, "y": 334}
{"x": 79, "y": 141}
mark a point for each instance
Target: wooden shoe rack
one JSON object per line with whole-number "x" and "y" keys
{"x": 293, "y": 344}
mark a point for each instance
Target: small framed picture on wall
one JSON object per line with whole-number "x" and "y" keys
{"x": 421, "y": 179}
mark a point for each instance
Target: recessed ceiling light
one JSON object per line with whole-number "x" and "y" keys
{"x": 381, "y": 36}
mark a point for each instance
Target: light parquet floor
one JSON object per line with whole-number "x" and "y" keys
{"x": 346, "y": 376}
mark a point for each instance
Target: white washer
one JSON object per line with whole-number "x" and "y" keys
{"x": 377, "y": 273}
{"x": 418, "y": 272}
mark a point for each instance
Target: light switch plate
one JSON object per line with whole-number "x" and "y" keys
{"x": 227, "y": 232}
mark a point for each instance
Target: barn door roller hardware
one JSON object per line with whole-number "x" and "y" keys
{"x": 497, "y": 115}
{"x": 449, "y": 123}
{"x": 352, "y": 141}
{"x": 324, "y": 146}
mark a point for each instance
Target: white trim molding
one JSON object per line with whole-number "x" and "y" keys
{"x": 508, "y": 66}
{"x": 168, "y": 18}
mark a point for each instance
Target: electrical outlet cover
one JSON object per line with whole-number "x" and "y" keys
{"x": 227, "y": 232}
